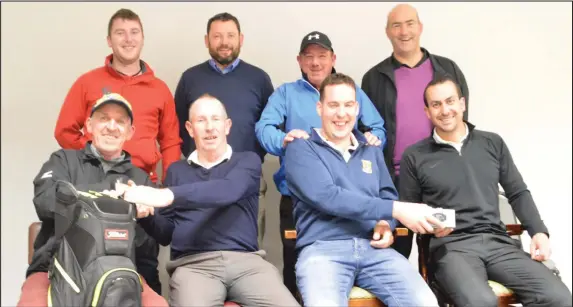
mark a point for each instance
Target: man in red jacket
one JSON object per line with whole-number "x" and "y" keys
{"x": 125, "y": 73}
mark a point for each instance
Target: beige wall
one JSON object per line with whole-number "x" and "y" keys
{"x": 516, "y": 57}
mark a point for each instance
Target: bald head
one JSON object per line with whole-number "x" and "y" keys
{"x": 207, "y": 105}
{"x": 402, "y": 13}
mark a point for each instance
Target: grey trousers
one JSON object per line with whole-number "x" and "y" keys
{"x": 211, "y": 278}
{"x": 261, "y": 219}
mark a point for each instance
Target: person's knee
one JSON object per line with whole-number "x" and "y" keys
{"x": 424, "y": 296}
{"x": 35, "y": 290}
{"x": 555, "y": 297}
{"x": 471, "y": 298}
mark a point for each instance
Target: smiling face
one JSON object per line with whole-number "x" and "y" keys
{"x": 316, "y": 62}
{"x": 445, "y": 108}
{"x": 110, "y": 127}
{"x": 404, "y": 29}
{"x": 208, "y": 125}
{"x": 224, "y": 41}
{"x": 338, "y": 109}
{"x": 126, "y": 40}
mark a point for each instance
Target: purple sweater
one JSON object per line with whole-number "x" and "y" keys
{"x": 412, "y": 124}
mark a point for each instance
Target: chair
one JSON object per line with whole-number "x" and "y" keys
{"x": 505, "y": 297}
{"x": 358, "y": 297}
{"x": 33, "y": 231}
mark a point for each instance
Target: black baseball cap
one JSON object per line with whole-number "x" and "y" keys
{"x": 317, "y": 38}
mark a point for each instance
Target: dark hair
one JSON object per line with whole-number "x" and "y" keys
{"x": 336, "y": 79}
{"x": 223, "y": 17}
{"x": 123, "y": 14}
{"x": 441, "y": 79}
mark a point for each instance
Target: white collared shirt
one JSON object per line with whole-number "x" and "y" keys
{"x": 193, "y": 157}
{"x": 345, "y": 154}
{"x": 456, "y": 145}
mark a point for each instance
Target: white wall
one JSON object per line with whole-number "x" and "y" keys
{"x": 516, "y": 57}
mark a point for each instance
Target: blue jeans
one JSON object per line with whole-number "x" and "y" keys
{"x": 326, "y": 271}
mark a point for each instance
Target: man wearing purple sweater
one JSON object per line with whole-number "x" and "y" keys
{"x": 396, "y": 87}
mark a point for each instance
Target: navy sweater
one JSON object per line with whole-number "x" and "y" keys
{"x": 214, "y": 209}
{"x": 244, "y": 91}
{"x": 333, "y": 199}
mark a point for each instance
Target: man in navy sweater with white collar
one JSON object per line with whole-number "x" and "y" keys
{"x": 345, "y": 208}
{"x": 210, "y": 220}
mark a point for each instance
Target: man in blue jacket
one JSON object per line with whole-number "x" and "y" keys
{"x": 345, "y": 208}
{"x": 290, "y": 113}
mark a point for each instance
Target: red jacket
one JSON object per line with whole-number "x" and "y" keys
{"x": 154, "y": 115}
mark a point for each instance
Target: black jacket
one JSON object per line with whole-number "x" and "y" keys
{"x": 378, "y": 83}
{"x": 84, "y": 170}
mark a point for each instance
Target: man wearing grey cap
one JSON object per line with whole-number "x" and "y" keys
{"x": 291, "y": 113}
{"x": 96, "y": 167}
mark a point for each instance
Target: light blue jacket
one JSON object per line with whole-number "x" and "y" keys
{"x": 293, "y": 106}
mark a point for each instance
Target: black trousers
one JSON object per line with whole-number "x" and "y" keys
{"x": 289, "y": 252}
{"x": 402, "y": 244}
{"x": 464, "y": 263}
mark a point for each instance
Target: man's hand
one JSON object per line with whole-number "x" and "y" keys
{"x": 417, "y": 217}
{"x": 382, "y": 237}
{"x": 443, "y": 232}
{"x": 294, "y": 134}
{"x": 540, "y": 248}
{"x": 144, "y": 211}
{"x": 148, "y": 196}
{"x": 371, "y": 139}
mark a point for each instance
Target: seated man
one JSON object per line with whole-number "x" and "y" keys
{"x": 97, "y": 167}
{"x": 211, "y": 220}
{"x": 345, "y": 209}
{"x": 459, "y": 168}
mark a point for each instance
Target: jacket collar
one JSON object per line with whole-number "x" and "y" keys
{"x": 315, "y": 137}
{"x": 122, "y": 166}
{"x": 387, "y": 67}
{"x": 470, "y": 130}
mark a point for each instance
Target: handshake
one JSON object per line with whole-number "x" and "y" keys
{"x": 145, "y": 198}
{"x": 423, "y": 219}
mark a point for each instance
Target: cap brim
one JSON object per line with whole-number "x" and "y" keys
{"x": 316, "y": 43}
{"x": 117, "y": 102}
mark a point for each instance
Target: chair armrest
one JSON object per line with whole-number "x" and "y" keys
{"x": 399, "y": 232}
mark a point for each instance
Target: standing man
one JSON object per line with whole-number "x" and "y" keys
{"x": 243, "y": 88}
{"x": 153, "y": 107}
{"x": 396, "y": 86}
{"x": 96, "y": 167}
{"x": 459, "y": 167}
{"x": 291, "y": 113}
{"x": 125, "y": 73}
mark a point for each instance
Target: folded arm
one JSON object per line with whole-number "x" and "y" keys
{"x": 370, "y": 117}
{"x": 267, "y": 129}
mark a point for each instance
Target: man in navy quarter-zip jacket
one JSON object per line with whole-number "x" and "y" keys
{"x": 345, "y": 209}
{"x": 459, "y": 167}
{"x": 290, "y": 113}
{"x": 210, "y": 219}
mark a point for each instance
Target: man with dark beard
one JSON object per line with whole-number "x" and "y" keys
{"x": 242, "y": 88}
